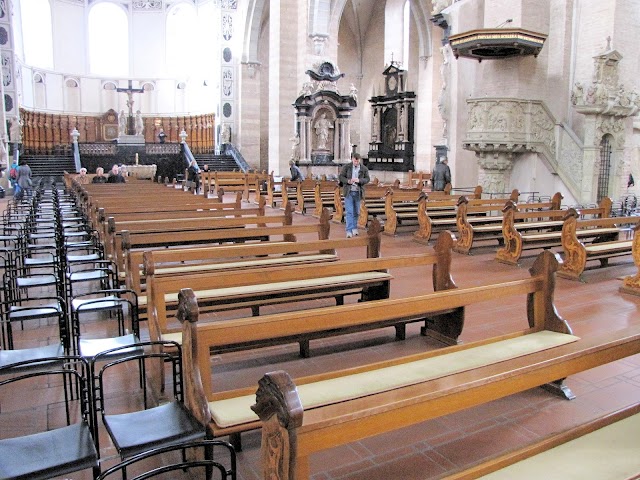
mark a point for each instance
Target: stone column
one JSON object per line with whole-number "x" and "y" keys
{"x": 250, "y": 106}
{"x": 495, "y": 171}
{"x": 283, "y": 79}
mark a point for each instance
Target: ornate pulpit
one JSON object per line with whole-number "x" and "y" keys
{"x": 391, "y": 146}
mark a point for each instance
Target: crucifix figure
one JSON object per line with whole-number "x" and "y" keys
{"x": 130, "y": 91}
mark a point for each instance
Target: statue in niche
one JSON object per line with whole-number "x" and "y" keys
{"x": 122, "y": 123}
{"x": 322, "y": 127}
{"x": 225, "y": 133}
{"x": 577, "y": 94}
{"x": 295, "y": 148}
{"x": 139, "y": 123}
{"x": 353, "y": 92}
{"x": 15, "y": 131}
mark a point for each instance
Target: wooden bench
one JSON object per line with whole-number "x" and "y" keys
{"x": 253, "y": 288}
{"x": 418, "y": 180}
{"x": 631, "y": 283}
{"x": 227, "y": 181}
{"x": 611, "y": 436}
{"x": 199, "y": 340}
{"x": 403, "y": 210}
{"x": 438, "y": 215}
{"x": 517, "y": 235}
{"x": 306, "y": 195}
{"x": 605, "y": 246}
{"x": 325, "y": 411}
{"x": 324, "y": 196}
{"x": 487, "y": 224}
{"x": 126, "y": 241}
{"x": 214, "y": 259}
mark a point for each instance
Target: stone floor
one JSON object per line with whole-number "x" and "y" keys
{"x": 438, "y": 447}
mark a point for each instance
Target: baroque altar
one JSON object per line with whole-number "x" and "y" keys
{"x": 323, "y": 119}
{"x": 391, "y": 146}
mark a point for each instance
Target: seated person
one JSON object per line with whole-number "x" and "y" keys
{"x": 296, "y": 174}
{"x": 115, "y": 176}
{"x": 100, "y": 176}
{"x": 193, "y": 176}
{"x": 82, "y": 176}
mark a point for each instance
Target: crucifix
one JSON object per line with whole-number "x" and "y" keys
{"x": 130, "y": 91}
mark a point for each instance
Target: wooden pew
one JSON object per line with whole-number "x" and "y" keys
{"x": 184, "y": 261}
{"x": 306, "y": 195}
{"x": 200, "y": 340}
{"x": 293, "y": 427}
{"x": 126, "y": 242}
{"x": 324, "y": 195}
{"x": 612, "y": 436}
{"x": 517, "y": 236}
{"x": 438, "y": 215}
{"x": 417, "y": 179}
{"x": 604, "y": 247}
{"x": 163, "y": 286}
{"x": 403, "y": 210}
{"x": 631, "y": 283}
{"x": 490, "y": 227}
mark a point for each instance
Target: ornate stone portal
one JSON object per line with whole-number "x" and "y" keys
{"x": 323, "y": 116}
{"x": 607, "y": 107}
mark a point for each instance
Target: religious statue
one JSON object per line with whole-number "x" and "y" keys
{"x": 307, "y": 89}
{"x": 139, "y": 123}
{"x": 295, "y": 148}
{"x": 577, "y": 94}
{"x": 322, "y": 127}
{"x": 353, "y": 92}
{"x": 225, "y": 133}
{"x": 439, "y": 5}
{"x": 122, "y": 123}
{"x": 15, "y": 131}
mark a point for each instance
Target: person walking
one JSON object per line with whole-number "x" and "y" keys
{"x": 353, "y": 177}
{"x": 23, "y": 182}
{"x": 441, "y": 175}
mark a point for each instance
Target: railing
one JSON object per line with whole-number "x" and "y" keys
{"x": 232, "y": 151}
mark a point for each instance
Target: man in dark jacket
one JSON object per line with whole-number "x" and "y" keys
{"x": 441, "y": 175}
{"x": 353, "y": 177}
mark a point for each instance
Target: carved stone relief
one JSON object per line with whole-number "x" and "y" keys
{"x": 570, "y": 160}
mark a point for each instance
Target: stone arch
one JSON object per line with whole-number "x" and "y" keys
{"x": 253, "y": 27}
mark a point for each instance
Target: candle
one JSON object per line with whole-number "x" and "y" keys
{"x": 136, "y": 159}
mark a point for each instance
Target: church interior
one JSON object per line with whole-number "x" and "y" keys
{"x": 513, "y": 287}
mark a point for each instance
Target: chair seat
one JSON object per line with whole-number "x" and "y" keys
{"x": 83, "y": 258}
{"x": 94, "y": 304}
{"x": 142, "y": 430}
{"x": 90, "y": 347}
{"x": 20, "y": 312}
{"x": 48, "y": 454}
{"x": 87, "y": 275}
{"x": 36, "y": 281}
{"x": 7, "y": 357}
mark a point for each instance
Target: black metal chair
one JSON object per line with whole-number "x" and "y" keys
{"x": 116, "y": 303}
{"x": 205, "y": 462}
{"x": 65, "y": 447}
{"x": 163, "y": 423}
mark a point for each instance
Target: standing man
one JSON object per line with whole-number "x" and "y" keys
{"x": 353, "y": 178}
{"x": 441, "y": 175}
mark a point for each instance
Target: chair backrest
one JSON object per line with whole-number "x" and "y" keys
{"x": 55, "y": 457}
{"x": 204, "y": 461}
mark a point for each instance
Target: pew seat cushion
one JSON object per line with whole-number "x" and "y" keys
{"x": 623, "y": 246}
{"x": 236, "y": 411}
{"x": 584, "y": 456}
{"x": 258, "y": 262}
